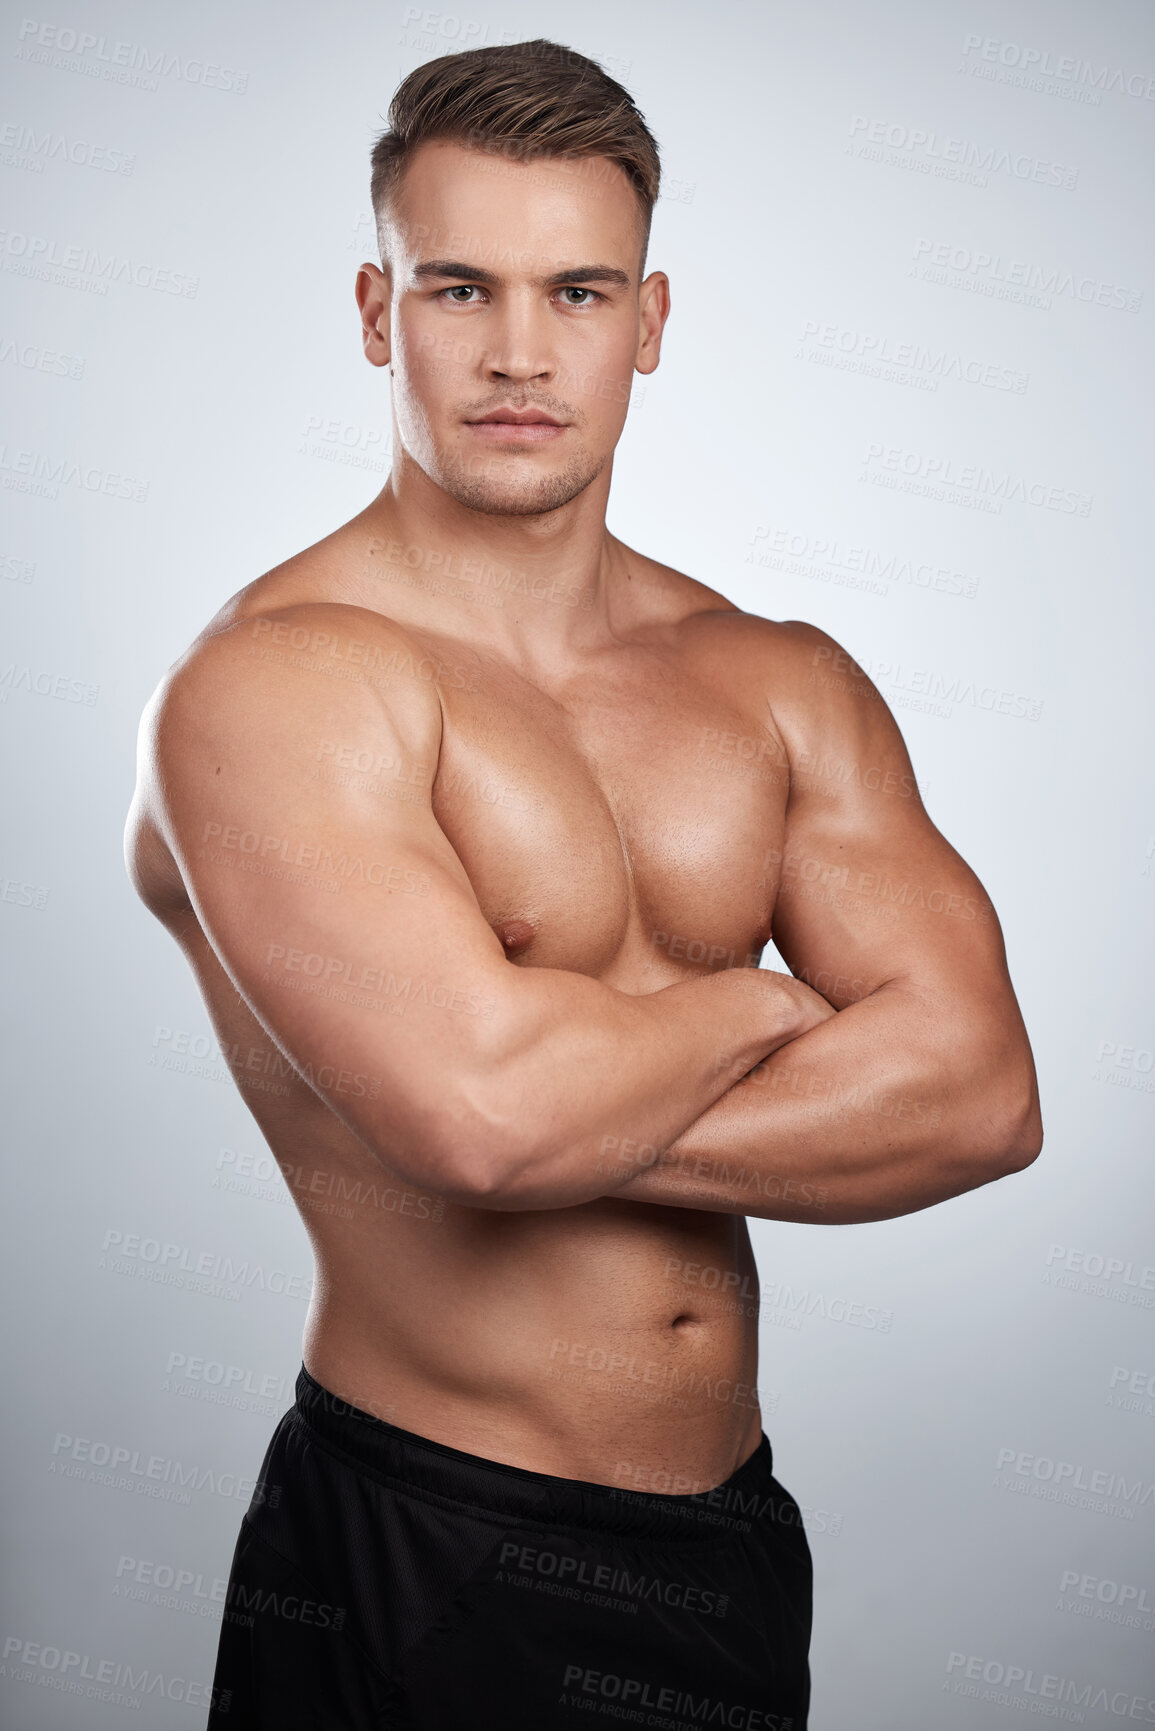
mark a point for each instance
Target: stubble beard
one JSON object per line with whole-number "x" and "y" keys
{"x": 506, "y": 491}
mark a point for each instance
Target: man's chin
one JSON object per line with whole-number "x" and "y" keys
{"x": 513, "y": 494}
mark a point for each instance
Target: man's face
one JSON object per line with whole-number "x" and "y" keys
{"x": 515, "y": 322}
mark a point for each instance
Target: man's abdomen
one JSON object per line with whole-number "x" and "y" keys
{"x": 613, "y": 1342}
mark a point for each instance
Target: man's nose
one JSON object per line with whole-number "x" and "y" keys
{"x": 519, "y": 345}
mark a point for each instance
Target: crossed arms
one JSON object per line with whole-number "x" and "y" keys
{"x": 905, "y": 1077}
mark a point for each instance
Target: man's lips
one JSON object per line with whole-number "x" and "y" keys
{"x": 516, "y": 426}
{"x": 517, "y": 417}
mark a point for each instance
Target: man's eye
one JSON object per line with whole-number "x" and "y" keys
{"x": 575, "y": 290}
{"x": 460, "y": 291}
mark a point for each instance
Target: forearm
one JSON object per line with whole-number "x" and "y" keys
{"x": 878, "y": 1112}
{"x": 573, "y": 1067}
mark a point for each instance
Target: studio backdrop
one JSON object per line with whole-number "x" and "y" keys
{"x": 905, "y": 395}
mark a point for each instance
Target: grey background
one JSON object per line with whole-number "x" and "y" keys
{"x": 931, "y": 1455}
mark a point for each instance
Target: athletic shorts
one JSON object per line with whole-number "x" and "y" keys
{"x": 383, "y": 1580}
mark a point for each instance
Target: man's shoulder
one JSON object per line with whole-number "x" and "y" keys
{"x": 305, "y": 608}
{"x": 284, "y": 660}
{"x": 805, "y": 680}
{"x": 260, "y": 630}
{"x": 277, "y": 660}
{"x": 789, "y": 651}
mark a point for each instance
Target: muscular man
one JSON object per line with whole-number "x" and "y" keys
{"x": 472, "y": 822}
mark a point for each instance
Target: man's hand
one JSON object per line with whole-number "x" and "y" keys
{"x": 800, "y": 1006}
{"x": 810, "y": 1007}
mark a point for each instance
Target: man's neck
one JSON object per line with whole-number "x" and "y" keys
{"x": 558, "y": 572}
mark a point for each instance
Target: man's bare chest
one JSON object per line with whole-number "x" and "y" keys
{"x": 618, "y": 826}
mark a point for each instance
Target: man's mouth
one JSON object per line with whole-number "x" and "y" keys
{"x": 507, "y": 425}
{"x": 516, "y": 418}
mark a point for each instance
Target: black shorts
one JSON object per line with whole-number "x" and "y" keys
{"x": 384, "y": 1580}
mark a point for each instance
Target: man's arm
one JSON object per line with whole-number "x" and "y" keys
{"x": 347, "y": 923}
{"x": 923, "y": 1085}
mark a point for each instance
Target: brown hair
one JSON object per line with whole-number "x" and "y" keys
{"x": 525, "y": 100}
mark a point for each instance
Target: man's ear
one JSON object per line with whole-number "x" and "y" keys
{"x": 373, "y": 297}
{"x": 653, "y": 311}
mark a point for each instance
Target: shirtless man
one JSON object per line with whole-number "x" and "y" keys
{"x": 472, "y": 822}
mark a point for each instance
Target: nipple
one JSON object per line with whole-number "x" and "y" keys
{"x": 516, "y": 936}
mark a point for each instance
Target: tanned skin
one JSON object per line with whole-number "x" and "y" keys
{"x": 473, "y": 822}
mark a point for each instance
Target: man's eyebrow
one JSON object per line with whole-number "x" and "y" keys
{"x": 579, "y": 277}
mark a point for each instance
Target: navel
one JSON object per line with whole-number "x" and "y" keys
{"x": 685, "y": 1320}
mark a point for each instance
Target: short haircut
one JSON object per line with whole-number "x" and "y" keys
{"x": 524, "y": 100}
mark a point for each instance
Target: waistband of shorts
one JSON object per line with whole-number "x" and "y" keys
{"x": 417, "y": 1464}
